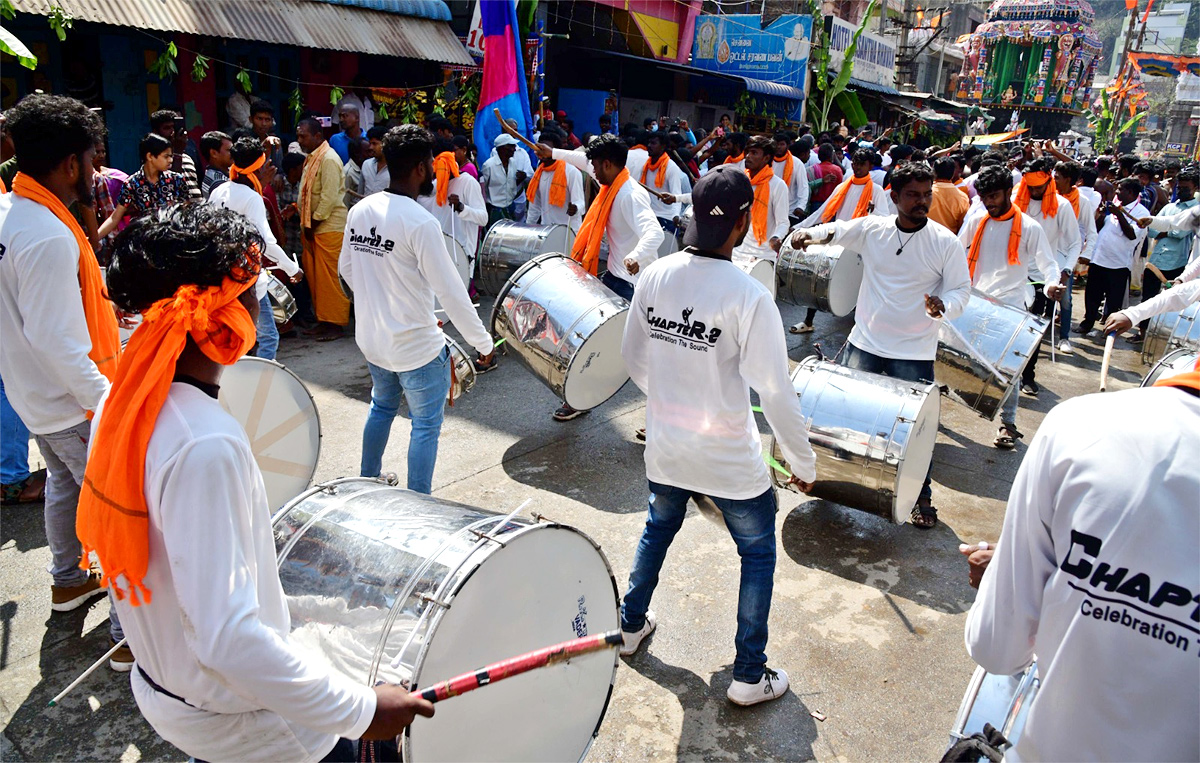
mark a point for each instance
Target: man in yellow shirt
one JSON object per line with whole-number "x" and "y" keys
{"x": 950, "y": 204}
{"x": 322, "y": 221}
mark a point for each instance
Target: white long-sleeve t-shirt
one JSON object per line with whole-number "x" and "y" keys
{"x": 632, "y": 230}
{"x": 1169, "y": 301}
{"x": 216, "y": 630}
{"x": 634, "y": 160}
{"x": 798, "y": 188}
{"x": 1087, "y": 227}
{"x": 777, "y": 224}
{"x": 542, "y": 212}
{"x": 1097, "y": 572}
{"x": 462, "y": 226}
{"x": 1191, "y": 272}
{"x": 881, "y": 204}
{"x": 993, "y": 275}
{"x": 672, "y": 184}
{"x": 44, "y": 341}
{"x": 701, "y": 333}
{"x": 890, "y": 318}
{"x": 394, "y": 258}
{"x": 249, "y": 203}
{"x": 1062, "y": 231}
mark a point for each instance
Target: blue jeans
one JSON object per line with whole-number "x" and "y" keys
{"x": 268, "y": 333}
{"x": 752, "y": 524}
{"x": 908, "y": 370}
{"x": 14, "y": 443}
{"x": 622, "y": 287}
{"x": 425, "y": 389}
{"x": 1008, "y": 408}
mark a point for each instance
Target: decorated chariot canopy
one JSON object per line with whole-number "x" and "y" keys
{"x": 1036, "y": 55}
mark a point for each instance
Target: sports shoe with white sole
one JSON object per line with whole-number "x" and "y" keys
{"x": 631, "y": 641}
{"x": 1065, "y": 347}
{"x": 67, "y": 598}
{"x": 122, "y": 660}
{"x": 772, "y": 685}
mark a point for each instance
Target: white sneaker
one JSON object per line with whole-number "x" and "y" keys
{"x": 631, "y": 641}
{"x": 771, "y": 686}
{"x": 1065, "y": 347}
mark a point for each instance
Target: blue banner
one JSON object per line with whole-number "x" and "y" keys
{"x": 738, "y": 44}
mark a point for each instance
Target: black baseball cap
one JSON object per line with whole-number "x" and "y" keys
{"x": 719, "y": 198}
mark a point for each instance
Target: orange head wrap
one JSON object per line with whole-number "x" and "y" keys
{"x": 762, "y": 202}
{"x": 235, "y": 172}
{"x": 861, "y": 209}
{"x": 113, "y": 519}
{"x": 1014, "y": 238}
{"x": 445, "y": 168}
{"x": 1049, "y": 200}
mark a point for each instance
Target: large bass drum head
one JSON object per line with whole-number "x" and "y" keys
{"x": 545, "y": 586}
{"x": 918, "y": 455}
{"x": 281, "y": 422}
{"x": 597, "y": 371}
{"x": 844, "y": 283}
{"x": 556, "y": 240}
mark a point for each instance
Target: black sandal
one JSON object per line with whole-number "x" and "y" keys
{"x": 924, "y": 517}
{"x": 1007, "y": 438}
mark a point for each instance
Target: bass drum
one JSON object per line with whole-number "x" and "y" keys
{"x": 566, "y": 326}
{"x": 873, "y": 436}
{"x": 1002, "y": 701}
{"x": 464, "y": 261}
{"x": 980, "y": 359}
{"x": 384, "y": 584}
{"x": 820, "y": 276}
{"x": 1175, "y": 362}
{"x": 508, "y": 245}
{"x": 1171, "y": 331}
{"x": 462, "y": 371}
{"x": 280, "y": 418}
{"x": 283, "y": 304}
{"x": 762, "y": 271}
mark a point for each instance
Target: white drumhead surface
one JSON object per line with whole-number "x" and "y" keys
{"x": 556, "y": 241}
{"x": 845, "y": 282}
{"x": 597, "y": 371}
{"x": 762, "y": 271}
{"x": 458, "y": 255}
{"x": 918, "y": 454}
{"x": 280, "y": 420}
{"x": 546, "y": 586}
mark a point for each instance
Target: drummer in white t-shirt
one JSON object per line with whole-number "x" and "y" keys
{"x": 697, "y": 316}
{"x": 914, "y": 275}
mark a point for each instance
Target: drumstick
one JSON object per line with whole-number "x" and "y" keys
{"x": 975, "y": 353}
{"x": 1157, "y": 273}
{"x": 1053, "y": 313}
{"x": 1108, "y": 348}
{"x": 86, "y": 673}
{"x": 506, "y": 128}
{"x": 653, "y": 192}
{"x": 513, "y": 666}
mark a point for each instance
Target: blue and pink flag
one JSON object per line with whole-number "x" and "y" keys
{"x": 503, "y": 85}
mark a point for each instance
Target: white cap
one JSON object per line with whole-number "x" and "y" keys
{"x": 504, "y": 139}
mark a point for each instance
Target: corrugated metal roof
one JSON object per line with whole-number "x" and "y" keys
{"x": 773, "y": 89}
{"x": 421, "y": 9}
{"x": 304, "y": 23}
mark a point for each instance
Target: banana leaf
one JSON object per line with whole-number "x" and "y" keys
{"x": 15, "y": 48}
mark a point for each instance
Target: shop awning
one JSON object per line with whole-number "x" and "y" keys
{"x": 871, "y": 86}
{"x": 760, "y": 86}
{"x": 773, "y": 89}
{"x": 378, "y": 27}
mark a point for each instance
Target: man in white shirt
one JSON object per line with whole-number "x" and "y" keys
{"x": 360, "y": 99}
{"x": 51, "y": 376}
{"x": 374, "y": 170}
{"x": 620, "y": 215}
{"x": 660, "y": 175}
{"x": 243, "y": 194}
{"x": 914, "y": 276}
{"x": 459, "y": 209}
{"x": 1066, "y": 177}
{"x": 1004, "y": 245}
{"x": 702, "y": 439}
{"x": 556, "y": 190}
{"x": 1112, "y": 262}
{"x": 394, "y": 259}
{"x": 503, "y": 178}
{"x": 639, "y": 154}
{"x": 737, "y": 150}
{"x": 218, "y": 675}
{"x": 792, "y": 172}
{"x": 1096, "y": 573}
{"x": 769, "y": 214}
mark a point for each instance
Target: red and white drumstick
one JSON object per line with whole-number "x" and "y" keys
{"x": 1108, "y": 348}
{"x": 513, "y": 666}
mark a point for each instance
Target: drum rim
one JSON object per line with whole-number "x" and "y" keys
{"x": 512, "y": 281}
{"x": 454, "y": 345}
{"x": 579, "y": 352}
{"x": 1170, "y": 354}
{"x": 490, "y": 549}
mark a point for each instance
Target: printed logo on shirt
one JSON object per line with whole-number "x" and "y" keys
{"x": 693, "y": 335}
{"x": 371, "y": 244}
{"x": 1117, "y": 595}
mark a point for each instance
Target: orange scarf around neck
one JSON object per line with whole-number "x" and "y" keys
{"x": 1049, "y": 200}
{"x": 659, "y": 167}
{"x": 640, "y": 147}
{"x": 731, "y": 159}
{"x": 1190, "y": 379}
{"x": 558, "y": 184}
{"x": 1014, "y": 238}
{"x": 861, "y": 209}
{"x": 312, "y": 168}
{"x": 445, "y": 168}
{"x": 762, "y": 202}
{"x": 97, "y": 309}
{"x": 1073, "y": 197}
{"x": 113, "y": 518}
{"x": 251, "y": 172}
{"x": 787, "y": 168}
{"x": 586, "y": 249}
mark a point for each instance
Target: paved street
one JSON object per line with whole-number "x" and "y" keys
{"x": 867, "y": 618}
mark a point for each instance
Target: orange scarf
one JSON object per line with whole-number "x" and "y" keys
{"x": 3, "y": 187}
{"x": 861, "y": 209}
{"x": 586, "y": 249}
{"x": 312, "y": 168}
{"x": 659, "y": 166}
{"x": 731, "y": 159}
{"x": 762, "y": 202}
{"x": 113, "y": 519}
{"x": 1190, "y": 379}
{"x": 235, "y": 172}
{"x": 445, "y": 167}
{"x": 1014, "y": 239}
{"x": 1073, "y": 197}
{"x": 558, "y": 184}
{"x": 641, "y": 146}
{"x": 1049, "y": 200}
{"x": 97, "y": 309}
{"x": 787, "y": 168}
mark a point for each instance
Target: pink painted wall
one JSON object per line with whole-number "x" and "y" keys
{"x": 682, "y": 13}
{"x": 335, "y": 67}
{"x": 202, "y": 95}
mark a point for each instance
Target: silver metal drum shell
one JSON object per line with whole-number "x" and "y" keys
{"x": 1170, "y": 331}
{"x": 507, "y": 246}
{"x": 1177, "y": 361}
{"x": 804, "y": 275}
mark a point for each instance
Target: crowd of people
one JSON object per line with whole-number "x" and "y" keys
{"x": 382, "y": 222}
